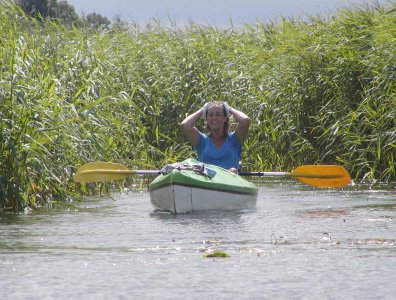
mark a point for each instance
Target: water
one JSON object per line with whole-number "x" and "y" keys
{"x": 298, "y": 243}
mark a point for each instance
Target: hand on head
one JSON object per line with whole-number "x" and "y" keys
{"x": 207, "y": 105}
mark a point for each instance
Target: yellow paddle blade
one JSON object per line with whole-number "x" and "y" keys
{"x": 324, "y": 176}
{"x": 101, "y": 172}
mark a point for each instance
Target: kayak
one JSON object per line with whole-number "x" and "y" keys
{"x": 191, "y": 186}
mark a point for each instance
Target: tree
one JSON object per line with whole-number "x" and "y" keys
{"x": 49, "y": 9}
{"x": 34, "y": 8}
{"x": 95, "y": 20}
{"x": 118, "y": 23}
{"x": 63, "y": 11}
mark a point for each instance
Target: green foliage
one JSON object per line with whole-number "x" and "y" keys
{"x": 216, "y": 254}
{"x": 97, "y": 21}
{"x": 61, "y": 12}
{"x": 319, "y": 91}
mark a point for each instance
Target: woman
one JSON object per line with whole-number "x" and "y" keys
{"x": 218, "y": 147}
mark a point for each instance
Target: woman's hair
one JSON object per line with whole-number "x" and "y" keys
{"x": 226, "y": 124}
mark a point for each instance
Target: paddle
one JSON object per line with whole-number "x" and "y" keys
{"x": 314, "y": 175}
{"x": 323, "y": 176}
{"x": 107, "y": 171}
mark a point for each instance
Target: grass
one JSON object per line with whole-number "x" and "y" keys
{"x": 317, "y": 91}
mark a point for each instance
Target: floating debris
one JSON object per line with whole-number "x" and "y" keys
{"x": 326, "y": 236}
{"x": 216, "y": 253}
{"x": 280, "y": 239}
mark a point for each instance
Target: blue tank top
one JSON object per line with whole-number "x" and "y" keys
{"x": 227, "y": 156}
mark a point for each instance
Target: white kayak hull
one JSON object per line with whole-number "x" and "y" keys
{"x": 190, "y": 187}
{"x": 180, "y": 199}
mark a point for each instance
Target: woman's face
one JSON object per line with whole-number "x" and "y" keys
{"x": 215, "y": 117}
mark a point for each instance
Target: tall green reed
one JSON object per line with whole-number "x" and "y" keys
{"x": 318, "y": 91}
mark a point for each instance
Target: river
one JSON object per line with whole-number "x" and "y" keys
{"x": 299, "y": 243}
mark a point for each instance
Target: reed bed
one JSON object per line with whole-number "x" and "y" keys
{"x": 317, "y": 91}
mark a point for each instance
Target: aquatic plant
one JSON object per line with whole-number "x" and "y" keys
{"x": 317, "y": 91}
{"x": 216, "y": 253}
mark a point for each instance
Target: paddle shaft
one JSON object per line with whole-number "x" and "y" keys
{"x": 122, "y": 172}
{"x": 288, "y": 174}
{"x": 264, "y": 174}
{"x": 258, "y": 174}
{"x": 314, "y": 175}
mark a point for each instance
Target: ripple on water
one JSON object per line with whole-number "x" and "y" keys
{"x": 298, "y": 243}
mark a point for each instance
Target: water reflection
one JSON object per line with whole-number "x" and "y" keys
{"x": 211, "y": 217}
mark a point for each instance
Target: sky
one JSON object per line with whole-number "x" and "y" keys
{"x": 211, "y": 12}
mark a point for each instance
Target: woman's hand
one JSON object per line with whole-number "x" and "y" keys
{"x": 204, "y": 111}
{"x": 227, "y": 109}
